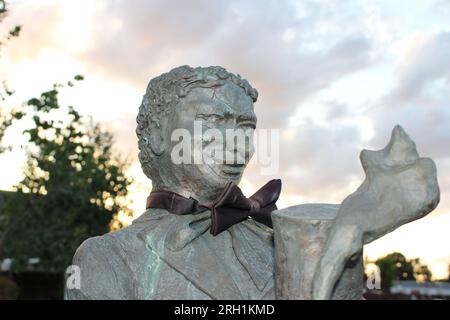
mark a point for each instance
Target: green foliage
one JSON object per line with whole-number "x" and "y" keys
{"x": 73, "y": 186}
{"x": 7, "y": 118}
{"x": 421, "y": 271}
{"x": 395, "y": 267}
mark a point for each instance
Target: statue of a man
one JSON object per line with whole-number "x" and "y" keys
{"x": 171, "y": 252}
{"x": 201, "y": 238}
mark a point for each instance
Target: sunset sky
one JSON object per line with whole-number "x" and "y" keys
{"x": 333, "y": 76}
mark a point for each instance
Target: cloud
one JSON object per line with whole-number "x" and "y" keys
{"x": 420, "y": 102}
{"x": 290, "y": 51}
{"x": 420, "y": 99}
{"x": 39, "y": 21}
{"x": 426, "y": 63}
{"x": 136, "y": 40}
{"x": 318, "y": 162}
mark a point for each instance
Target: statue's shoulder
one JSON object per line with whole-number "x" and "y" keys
{"x": 109, "y": 264}
{"x": 103, "y": 267}
{"x": 100, "y": 246}
{"x": 123, "y": 242}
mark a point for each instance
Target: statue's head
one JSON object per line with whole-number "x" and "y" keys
{"x": 173, "y": 107}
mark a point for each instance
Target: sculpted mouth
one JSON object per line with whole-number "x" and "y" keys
{"x": 232, "y": 169}
{"x": 227, "y": 170}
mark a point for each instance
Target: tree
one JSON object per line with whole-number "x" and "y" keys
{"x": 448, "y": 278}
{"x": 421, "y": 271}
{"x": 6, "y": 118}
{"x": 73, "y": 187}
{"x": 395, "y": 267}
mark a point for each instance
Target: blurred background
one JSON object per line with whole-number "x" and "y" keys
{"x": 333, "y": 76}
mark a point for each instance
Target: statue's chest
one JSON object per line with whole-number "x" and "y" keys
{"x": 233, "y": 265}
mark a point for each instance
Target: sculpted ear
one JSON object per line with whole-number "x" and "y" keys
{"x": 158, "y": 138}
{"x": 156, "y": 143}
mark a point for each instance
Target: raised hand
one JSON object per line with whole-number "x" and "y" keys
{"x": 399, "y": 187}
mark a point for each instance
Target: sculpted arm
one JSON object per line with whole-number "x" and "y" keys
{"x": 400, "y": 187}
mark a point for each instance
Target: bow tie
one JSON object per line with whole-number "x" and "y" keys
{"x": 228, "y": 209}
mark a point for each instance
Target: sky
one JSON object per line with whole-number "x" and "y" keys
{"x": 334, "y": 77}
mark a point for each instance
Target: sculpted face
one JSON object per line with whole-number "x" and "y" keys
{"x": 214, "y": 112}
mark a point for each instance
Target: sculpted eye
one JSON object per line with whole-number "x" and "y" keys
{"x": 210, "y": 117}
{"x": 215, "y": 117}
{"x": 201, "y": 116}
{"x": 248, "y": 124}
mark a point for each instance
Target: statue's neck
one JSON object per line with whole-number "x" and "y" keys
{"x": 204, "y": 197}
